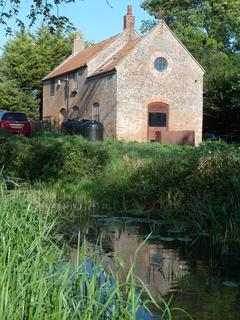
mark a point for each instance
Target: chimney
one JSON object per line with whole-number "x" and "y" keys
{"x": 78, "y": 45}
{"x": 129, "y": 20}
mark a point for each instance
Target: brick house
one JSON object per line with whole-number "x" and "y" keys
{"x": 136, "y": 86}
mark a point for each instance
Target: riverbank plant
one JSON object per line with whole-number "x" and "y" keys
{"x": 42, "y": 279}
{"x": 198, "y": 185}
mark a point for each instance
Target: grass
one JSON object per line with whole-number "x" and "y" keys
{"x": 38, "y": 280}
{"x": 198, "y": 185}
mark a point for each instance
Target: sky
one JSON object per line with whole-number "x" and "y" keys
{"x": 94, "y": 18}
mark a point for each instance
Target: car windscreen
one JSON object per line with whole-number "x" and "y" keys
{"x": 14, "y": 116}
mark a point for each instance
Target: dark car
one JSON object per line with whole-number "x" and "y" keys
{"x": 15, "y": 123}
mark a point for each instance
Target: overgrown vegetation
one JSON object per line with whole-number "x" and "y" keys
{"x": 200, "y": 185}
{"x": 39, "y": 281}
{"x": 26, "y": 59}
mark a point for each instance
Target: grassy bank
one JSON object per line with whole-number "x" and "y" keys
{"x": 199, "y": 185}
{"x": 38, "y": 280}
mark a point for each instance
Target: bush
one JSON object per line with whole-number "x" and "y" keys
{"x": 66, "y": 158}
{"x": 181, "y": 181}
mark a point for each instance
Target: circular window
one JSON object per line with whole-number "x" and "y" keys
{"x": 161, "y": 64}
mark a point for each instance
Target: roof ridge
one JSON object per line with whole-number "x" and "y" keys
{"x": 53, "y": 74}
{"x": 61, "y": 64}
{"x": 162, "y": 22}
{"x": 116, "y": 58}
{"x": 180, "y": 42}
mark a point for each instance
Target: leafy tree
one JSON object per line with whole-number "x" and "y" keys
{"x": 210, "y": 29}
{"x": 27, "y": 58}
{"x": 222, "y": 96}
{"x": 19, "y": 60}
{"x": 48, "y": 11}
{"x": 17, "y": 77}
{"x": 208, "y": 23}
{"x": 14, "y": 99}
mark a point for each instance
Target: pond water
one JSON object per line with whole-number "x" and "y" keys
{"x": 168, "y": 262}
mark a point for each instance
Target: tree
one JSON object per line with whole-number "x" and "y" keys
{"x": 27, "y": 58}
{"x": 210, "y": 23}
{"x": 17, "y": 77}
{"x": 210, "y": 29}
{"x": 48, "y": 11}
{"x": 222, "y": 96}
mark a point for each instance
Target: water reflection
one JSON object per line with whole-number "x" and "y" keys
{"x": 166, "y": 265}
{"x": 158, "y": 266}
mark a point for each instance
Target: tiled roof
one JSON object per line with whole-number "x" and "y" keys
{"x": 111, "y": 63}
{"x": 80, "y": 59}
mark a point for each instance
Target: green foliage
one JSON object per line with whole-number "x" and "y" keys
{"x": 210, "y": 30}
{"x": 196, "y": 184}
{"x": 221, "y": 101}
{"x": 38, "y": 278}
{"x": 13, "y": 98}
{"x": 201, "y": 24}
{"x": 45, "y": 11}
{"x": 65, "y": 158}
{"x": 27, "y": 59}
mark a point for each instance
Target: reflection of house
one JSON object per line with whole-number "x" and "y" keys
{"x": 134, "y": 86}
{"x": 158, "y": 267}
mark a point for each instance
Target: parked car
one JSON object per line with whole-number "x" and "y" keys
{"x": 15, "y": 123}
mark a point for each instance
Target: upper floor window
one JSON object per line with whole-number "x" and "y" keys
{"x": 52, "y": 88}
{"x": 76, "y": 79}
{"x": 160, "y": 64}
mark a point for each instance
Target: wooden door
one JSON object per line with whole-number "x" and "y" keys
{"x": 158, "y": 119}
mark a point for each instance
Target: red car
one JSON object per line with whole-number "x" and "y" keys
{"x": 15, "y": 122}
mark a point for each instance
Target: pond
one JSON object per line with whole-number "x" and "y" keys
{"x": 170, "y": 264}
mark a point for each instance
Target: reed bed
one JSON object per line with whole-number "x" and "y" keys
{"x": 39, "y": 280}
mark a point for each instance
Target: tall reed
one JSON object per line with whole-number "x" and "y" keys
{"x": 39, "y": 281}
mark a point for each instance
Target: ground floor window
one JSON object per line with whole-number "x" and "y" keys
{"x": 157, "y": 119}
{"x": 96, "y": 111}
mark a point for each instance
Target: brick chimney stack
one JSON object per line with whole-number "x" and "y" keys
{"x": 129, "y": 20}
{"x": 78, "y": 45}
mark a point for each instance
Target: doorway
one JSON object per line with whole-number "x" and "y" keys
{"x": 158, "y": 119}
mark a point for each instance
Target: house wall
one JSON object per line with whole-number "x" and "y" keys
{"x": 139, "y": 83}
{"x": 109, "y": 51}
{"x": 53, "y": 104}
{"x": 98, "y": 89}
{"x": 102, "y": 90}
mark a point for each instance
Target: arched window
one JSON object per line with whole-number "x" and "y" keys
{"x": 75, "y": 113}
{"x": 96, "y": 111}
{"x": 158, "y": 119}
{"x": 75, "y": 108}
{"x": 62, "y": 115}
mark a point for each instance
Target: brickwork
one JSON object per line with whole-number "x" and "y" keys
{"x": 180, "y": 86}
{"x": 62, "y": 99}
{"x": 125, "y": 92}
{"x": 108, "y": 52}
{"x": 100, "y": 89}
